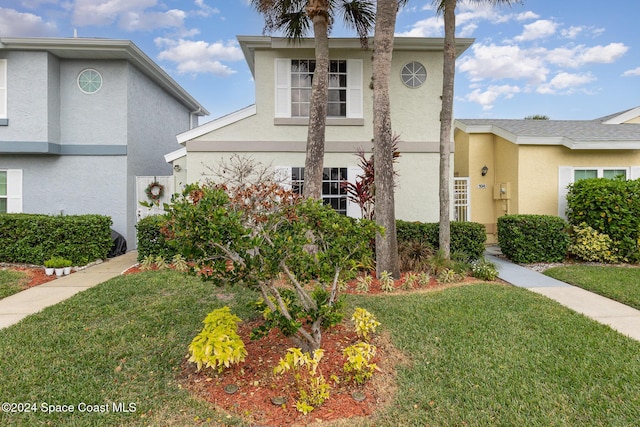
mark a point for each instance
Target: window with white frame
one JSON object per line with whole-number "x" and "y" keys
{"x": 3, "y": 89}
{"x": 293, "y": 88}
{"x": 586, "y": 173}
{"x": 11, "y": 191}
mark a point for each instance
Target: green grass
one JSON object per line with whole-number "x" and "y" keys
{"x": 618, "y": 283}
{"x": 11, "y": 282}
{"x": 479, "y": 355}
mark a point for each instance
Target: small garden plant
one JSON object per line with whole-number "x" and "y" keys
{"x": 358, "y": 365}
{"x": 365, "y": 323}
{"x": 312, "y": 388}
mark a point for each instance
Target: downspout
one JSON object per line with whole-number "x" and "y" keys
{"x": 191, "y": 114}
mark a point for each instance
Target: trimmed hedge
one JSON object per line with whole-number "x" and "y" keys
{"x": 533, "y": 238}
{"x": 466, "y": 237}
{"x": 150, "y": 239}
{"x": 611, "y": 207}
{"x": 34, "y": 238}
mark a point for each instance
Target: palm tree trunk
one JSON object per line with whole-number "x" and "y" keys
{"x": 446, "y": 117}
{"x": 387, "y": 244}
{"x": 318, "y": 11}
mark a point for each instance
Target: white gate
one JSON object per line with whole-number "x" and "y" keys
{"x": 164, "y": 186}
{"x": 461, "y": 206}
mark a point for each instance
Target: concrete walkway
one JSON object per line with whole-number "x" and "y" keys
{"x": 620, "y": 317}
{"x": 20, "y": 305}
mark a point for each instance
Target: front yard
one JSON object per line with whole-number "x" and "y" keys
{"x": 476, "y": 355}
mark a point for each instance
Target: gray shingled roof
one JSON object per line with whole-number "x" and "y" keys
{"x": 575, "y": 130}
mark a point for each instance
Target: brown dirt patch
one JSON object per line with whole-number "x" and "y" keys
{"x": 35, "y": 275}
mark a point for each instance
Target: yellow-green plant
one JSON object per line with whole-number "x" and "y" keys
{"x": 161, "y": 264}
{"x": 364, "y": 322}
{"x": 312, "y": 388}
{"x": 358, "y": 365}
{"x": 447, "y": 275}
{"x": 147, "y": 263}
{"x": 218, "y": 345}
{"x": 410, "y": 281}
{"x": 386, "y": 282}
{"x": 363, "y": 283}
{"x": 424, "y": 279}
{"x": 179, "y": 263}
{"x": 590, "y": 245}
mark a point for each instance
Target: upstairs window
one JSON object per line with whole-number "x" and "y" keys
{"x": 293, "y": 89}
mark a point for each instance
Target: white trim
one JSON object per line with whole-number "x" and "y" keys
{"x": 14, "y": 190}
{"x": 3, "y": 89}
{"x": 175, "y": 155}
{"x": 216, "y": 124}
{"x": 624, "y": 117}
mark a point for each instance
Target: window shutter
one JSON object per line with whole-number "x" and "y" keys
{"x": 3, "y": 88}
{"x": 635, "y": 172}
{"x": 355, "y": 109}
{"x": 283, "y": 176}
{"x": 14, "y": 191}
{"x": 565, "y": 177}
{"x": 283, "y": 88}
{"x": 353, "y": 210}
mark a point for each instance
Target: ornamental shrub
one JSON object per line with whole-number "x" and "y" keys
{"x": 151, "y": 241}
{"x": 312, "y": 388}
{"x": 533, "y": 238}
{"x": 611, "y": 207}
{"x": 466, "y": 237}
{"x": 589, "y": 245}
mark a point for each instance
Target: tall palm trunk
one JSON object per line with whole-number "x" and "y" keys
{"x": 446, "y": 117}
{"x": 318, "y": 11}
{"x": 387, "y": 244}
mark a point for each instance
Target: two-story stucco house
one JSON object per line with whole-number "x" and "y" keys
{"x": 273, "y": 131}
{"x": 80, "y": 119}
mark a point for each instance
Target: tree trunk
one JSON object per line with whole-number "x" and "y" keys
{"x": 387, "y": 244}
{"x": 314, "y": 162}
{"x": 446, "y": 117}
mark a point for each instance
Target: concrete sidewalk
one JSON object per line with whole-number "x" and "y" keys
{"x": 20, "y": 305}
{"x": 620, "y": 317}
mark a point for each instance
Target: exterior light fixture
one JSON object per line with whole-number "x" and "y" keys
{"x": 484, "y": 170}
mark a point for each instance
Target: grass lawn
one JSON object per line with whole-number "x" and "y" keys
{"x": 618, "y": 283}
{"x": 11, "y": 282}
{"x": 478, "y": 355}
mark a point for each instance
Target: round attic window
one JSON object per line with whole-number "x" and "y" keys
{"x": 413, "y": 74}
{"x": 89, "y": 81}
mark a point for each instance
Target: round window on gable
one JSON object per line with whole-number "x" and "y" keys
{"x": 413, "y": 74}
{"x": 89, "y": 81}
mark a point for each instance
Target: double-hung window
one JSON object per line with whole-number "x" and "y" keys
{"x": 293, "y": 89}
{"x": 11, "y": 191}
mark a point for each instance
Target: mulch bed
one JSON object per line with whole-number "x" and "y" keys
{"x": 35, "y": 275}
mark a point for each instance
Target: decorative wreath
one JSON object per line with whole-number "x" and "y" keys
{"x": 155, "y": 191}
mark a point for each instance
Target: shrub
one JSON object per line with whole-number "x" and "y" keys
{"x": 533, "y": 238}
{"x": 611, "y": 207}
{"x": 365, "y": 323}
{"x": 484, "y": 270}
{"x": 413, "y": 255}
{"x": 218, "y": 345}
{"x": 34, "y": 238}
{"x": 151, "y": 240}
{"x": 589, "y": 245}
{"x": 312, "y": 388}
{"x": 466, "y": 237}
{"x": 358, "y": 365}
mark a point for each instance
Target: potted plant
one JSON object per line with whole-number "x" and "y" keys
{"x": 49, "y": 266}
{"x": 58, "y": 264}
{"x": 67, "y": 267}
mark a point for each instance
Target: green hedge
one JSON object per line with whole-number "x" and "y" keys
{"x": 533, "y": 238}
{"x": 33, "y": 238}
{"x": 612, "y": 207}
{"x": 466, "y": 237}
{"x": 150, "y": 240}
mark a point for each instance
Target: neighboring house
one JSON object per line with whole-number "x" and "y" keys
{"x": 273, "y": 131}
{"x": 80, "y": 119}
{"x": 525, "y": 166}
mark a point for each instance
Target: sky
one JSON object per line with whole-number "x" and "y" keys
{"x": 566, "y": 59}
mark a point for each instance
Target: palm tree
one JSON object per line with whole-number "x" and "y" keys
{"x": 447, "y": 8}
{"x": 383, "y": 147}
{"x": 295, "y": 18}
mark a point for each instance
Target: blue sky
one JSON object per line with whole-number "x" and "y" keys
{"x": 567, "y": 59}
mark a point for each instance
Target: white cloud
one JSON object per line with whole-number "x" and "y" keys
{"x": 565, "y": 82}
{"x": 539, "y": 29}
{"x": 136, "y": 21}
{"x": 106, "y": 12}
{"x": 525, "y": 16}
{"x": 503, "y": 62}
{"x": 632, "y": 73}
{"x": 489, "y": 96}
{"x": 199, "y": 56}
{"x": 18, "y": 24}
{"x": 603, "y": 54}
{"x": 204, "y": 9}
{"x": 571, "y": 32}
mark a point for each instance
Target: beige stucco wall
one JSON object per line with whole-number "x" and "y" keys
{"x": 417, "y": 181}
{"x": 531, "y": 170}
